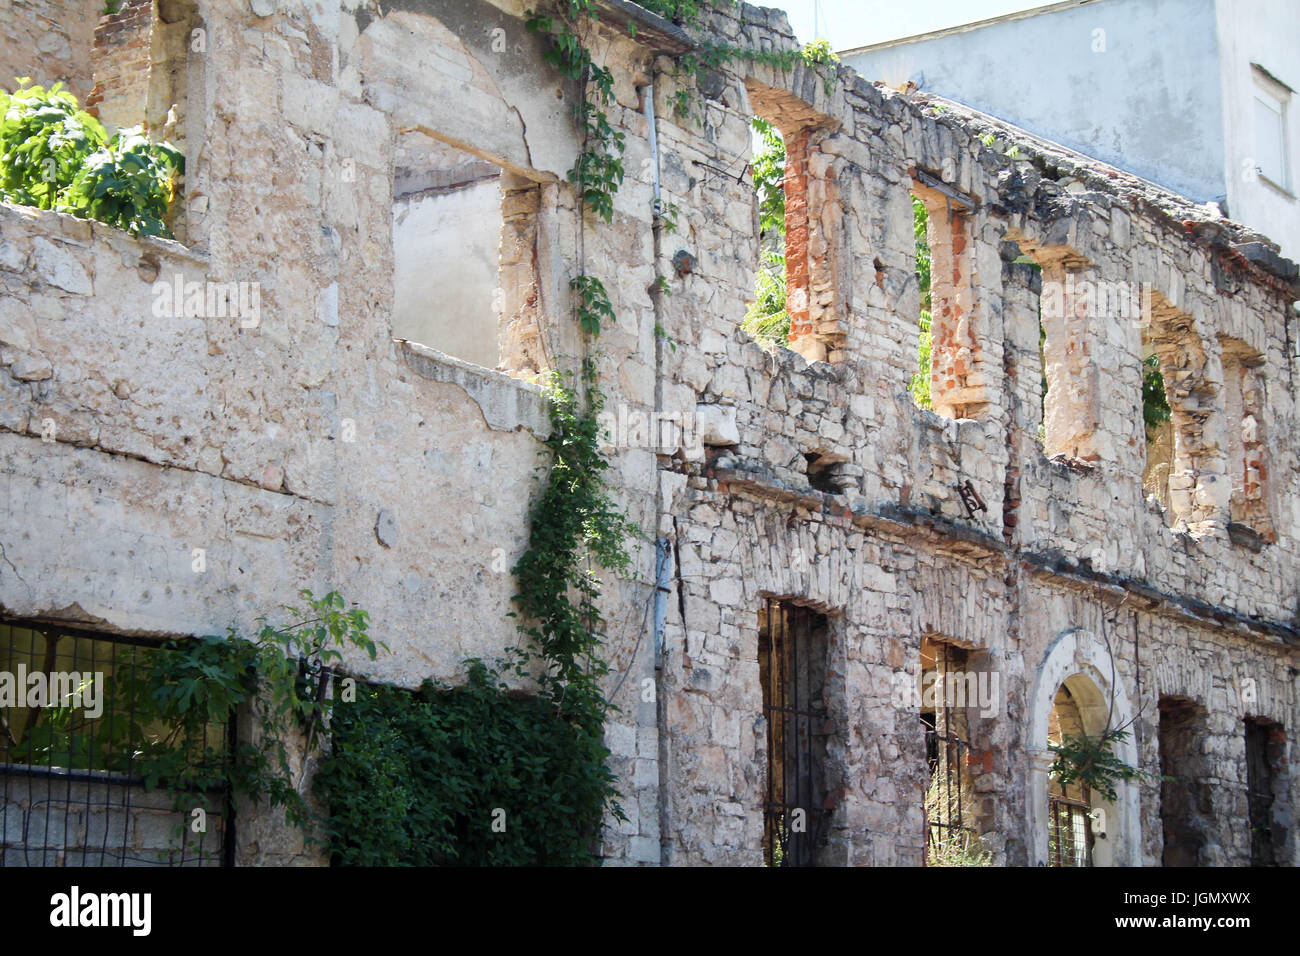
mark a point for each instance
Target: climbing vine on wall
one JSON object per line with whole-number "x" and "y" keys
{"x": 470, "y": 775}
{"x": 576, "y": 530}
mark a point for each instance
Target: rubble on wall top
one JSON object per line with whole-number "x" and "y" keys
{"x": 1055, "y": 168}
{"x": 1067, "y": 166}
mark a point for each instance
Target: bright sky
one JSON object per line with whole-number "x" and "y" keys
{"x": 852, "y": 23}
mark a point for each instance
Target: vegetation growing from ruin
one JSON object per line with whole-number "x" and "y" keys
{"x": 54, "y": 155}
{"x": 768, "y": 169}
{"x": 1155, "y": 405}
{"x": 767, "y": 320}
{"x": 190, "y": 685}
{"x": 920, "y": 384}
{"x": 167, "y": 709}
{"x": 470, "y": 775}
{"x": 1092, "y": 762}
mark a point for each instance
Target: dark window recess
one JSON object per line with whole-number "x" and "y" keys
{"x": 792, "y": 658}
{"x": 949, "y": 811}
{"x": 1185, "y": 809}
{"x": 71, "y": 735}
{"x": 1264, "y": 747}
{"x": 822, "y": 474}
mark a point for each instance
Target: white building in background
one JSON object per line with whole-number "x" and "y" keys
{"x": 1196, "y": 95}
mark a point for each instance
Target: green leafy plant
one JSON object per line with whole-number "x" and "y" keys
{"x": 54, "y": 155}
{"x": 471, "y": 775}
{"x": 593, "y": 306}
{"x": 1092, "y": 762}
{"x": 667, "y": 214}
{"x": 768, "y": 169}
{"x": 189, "y": 686}
{"x": 1155, "y": 404}
{"x": 920, "y": 384}
{"x": 767, "y": 320}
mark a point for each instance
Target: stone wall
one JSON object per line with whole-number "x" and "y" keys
{"x": 297, "y": 444}
{"x": 49, "y": 41}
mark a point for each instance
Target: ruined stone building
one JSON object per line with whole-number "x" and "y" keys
{"x": 383, "y": 187}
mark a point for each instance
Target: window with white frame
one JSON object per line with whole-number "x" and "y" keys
{"x": 1271, "y": 100}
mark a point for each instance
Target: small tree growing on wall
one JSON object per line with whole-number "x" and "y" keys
{"x": 54, "y": 155}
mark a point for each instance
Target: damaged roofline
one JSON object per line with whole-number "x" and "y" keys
{"x": 652, "y": 30}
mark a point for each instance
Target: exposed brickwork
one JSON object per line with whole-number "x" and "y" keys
{"x": 797, "y": 280}
{"x": 121, "y": 60}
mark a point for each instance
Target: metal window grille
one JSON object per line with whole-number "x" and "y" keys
{"x": 792, "y": 667}
{"x": 71, "y": 790}
{"x": 1069, "y": 840}
{"x": 947, "y": 830}
{"x": 949, "y": 814}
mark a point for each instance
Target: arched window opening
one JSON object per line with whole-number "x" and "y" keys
{"x": 1070, "y": 837}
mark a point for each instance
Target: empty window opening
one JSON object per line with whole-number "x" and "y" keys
{"x": 1176, "y": 353}
{"x": 1186, "y": 812}
{"x": 1268, "y": 806}
{"x": 797, "y": 200}
{"x": 792, "y": 668}
{"x": 1158, "y": 430}
{"x": 1243, "y": 394}
{"x": 957, "y": 387}
{"x": 71, "y": 740}
{"x": 953, "y": 807}
{"x": 768, "y": 321}
{"x": 465, "y": 237}
{"x": 920, "y": 384}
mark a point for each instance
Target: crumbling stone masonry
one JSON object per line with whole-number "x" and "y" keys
{"x": 302, "y": 443}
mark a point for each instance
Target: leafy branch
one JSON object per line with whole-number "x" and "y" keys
{"x": 53, "y": 155}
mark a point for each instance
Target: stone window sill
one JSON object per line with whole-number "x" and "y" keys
{"x": 507, "y": 404}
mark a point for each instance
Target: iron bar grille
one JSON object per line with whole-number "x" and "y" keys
{"x": 950, "y": 833}
{"x": 1069, "y": 835}
{"x": 792, "y": 669}
{"x": 71, "y": 759}
{"x": 947, "y": 831}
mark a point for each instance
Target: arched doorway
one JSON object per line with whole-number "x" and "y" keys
{"x": 1073, "y": 695}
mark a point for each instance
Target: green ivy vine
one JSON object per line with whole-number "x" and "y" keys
{"x": 186, "y": 687}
